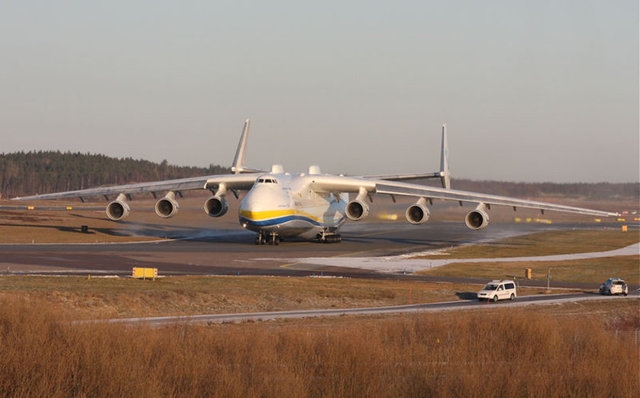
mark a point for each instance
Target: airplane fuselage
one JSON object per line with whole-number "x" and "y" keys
{"x": 286, "y": 205}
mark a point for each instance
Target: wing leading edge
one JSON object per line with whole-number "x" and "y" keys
{"x": 359, "y": 185}
{"x": 211, "y": 182}
{"x": 415, "y": 190}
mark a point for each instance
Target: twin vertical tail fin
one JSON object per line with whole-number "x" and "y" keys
{"x": 445, "y": 175}
{"x": 238, "y": 161}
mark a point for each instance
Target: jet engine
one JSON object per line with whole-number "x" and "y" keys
{"x": 118, "y": 209}
{"x": 356, "y": 210}
{"x": 478, "y": 218}
{"x": 216, "y": 206}
{"x": 167, "y": 206}
{"x": 418, "y": 212}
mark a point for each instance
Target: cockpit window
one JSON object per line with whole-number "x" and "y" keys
{"x": 266, "y": 180}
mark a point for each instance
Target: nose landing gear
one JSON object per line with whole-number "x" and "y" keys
{"x": 270, "y": 238}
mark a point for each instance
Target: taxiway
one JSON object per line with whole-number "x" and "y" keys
{"x": 232, "y": 252}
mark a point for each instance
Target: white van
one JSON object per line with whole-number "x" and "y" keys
{"x": 498, "y": 290}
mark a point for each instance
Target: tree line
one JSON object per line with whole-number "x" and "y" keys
{"x": 593, "y": 191}
{"x": 29, "y": 173}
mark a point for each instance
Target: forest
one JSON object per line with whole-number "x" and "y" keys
{"x": 29, "y": 173}
{"x": 37, "y": 172}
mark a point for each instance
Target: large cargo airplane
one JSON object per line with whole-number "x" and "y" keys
{"x": 313, "y": 206}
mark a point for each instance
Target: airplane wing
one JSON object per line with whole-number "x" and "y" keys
{"x": 416, "y": 190}
{"x": 212, "y": 182}
{"x": 167, "y": 206}
{"x": 418, "y": 213}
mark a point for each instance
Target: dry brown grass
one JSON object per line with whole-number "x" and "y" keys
{"x": 540, "y": 353}
{"x": 573, "y": 349}
{"x": 124, "y": 297}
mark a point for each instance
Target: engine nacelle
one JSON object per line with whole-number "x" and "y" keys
{"x": 418, "y": 213}
{"x": 356, "y": 210}
{"x": 216, "y": 206}
{"x": 167, "y": 206}
{"x": 118, "y": 209}
{"x": 478, "y": 218}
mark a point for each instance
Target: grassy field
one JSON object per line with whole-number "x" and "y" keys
{"x": 64, "y": 226}
{"x": 549, "y": 243}
{"x": 186, "y": 295}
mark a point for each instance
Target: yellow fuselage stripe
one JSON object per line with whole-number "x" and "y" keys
{"x": 271, "y": 214}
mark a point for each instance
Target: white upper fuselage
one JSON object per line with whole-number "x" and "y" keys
{"x": 288, "y": 205}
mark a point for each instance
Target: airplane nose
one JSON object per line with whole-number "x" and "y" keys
{"x": 249, "y": 207}
{"x": 260, "y": 205}
{"x": 254, "y": 205}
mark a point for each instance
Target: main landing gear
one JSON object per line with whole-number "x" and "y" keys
{"x": 270, "y": 238}
{"x": 273, "y": 239}
{"x": 328, "y": 237}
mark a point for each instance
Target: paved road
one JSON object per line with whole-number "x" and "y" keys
{"x": 298, "y": 314}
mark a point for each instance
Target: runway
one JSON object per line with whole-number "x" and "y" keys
{"x": 232, "y": 252}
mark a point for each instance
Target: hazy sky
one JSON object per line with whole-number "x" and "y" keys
{"x": 531, "y": 90}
